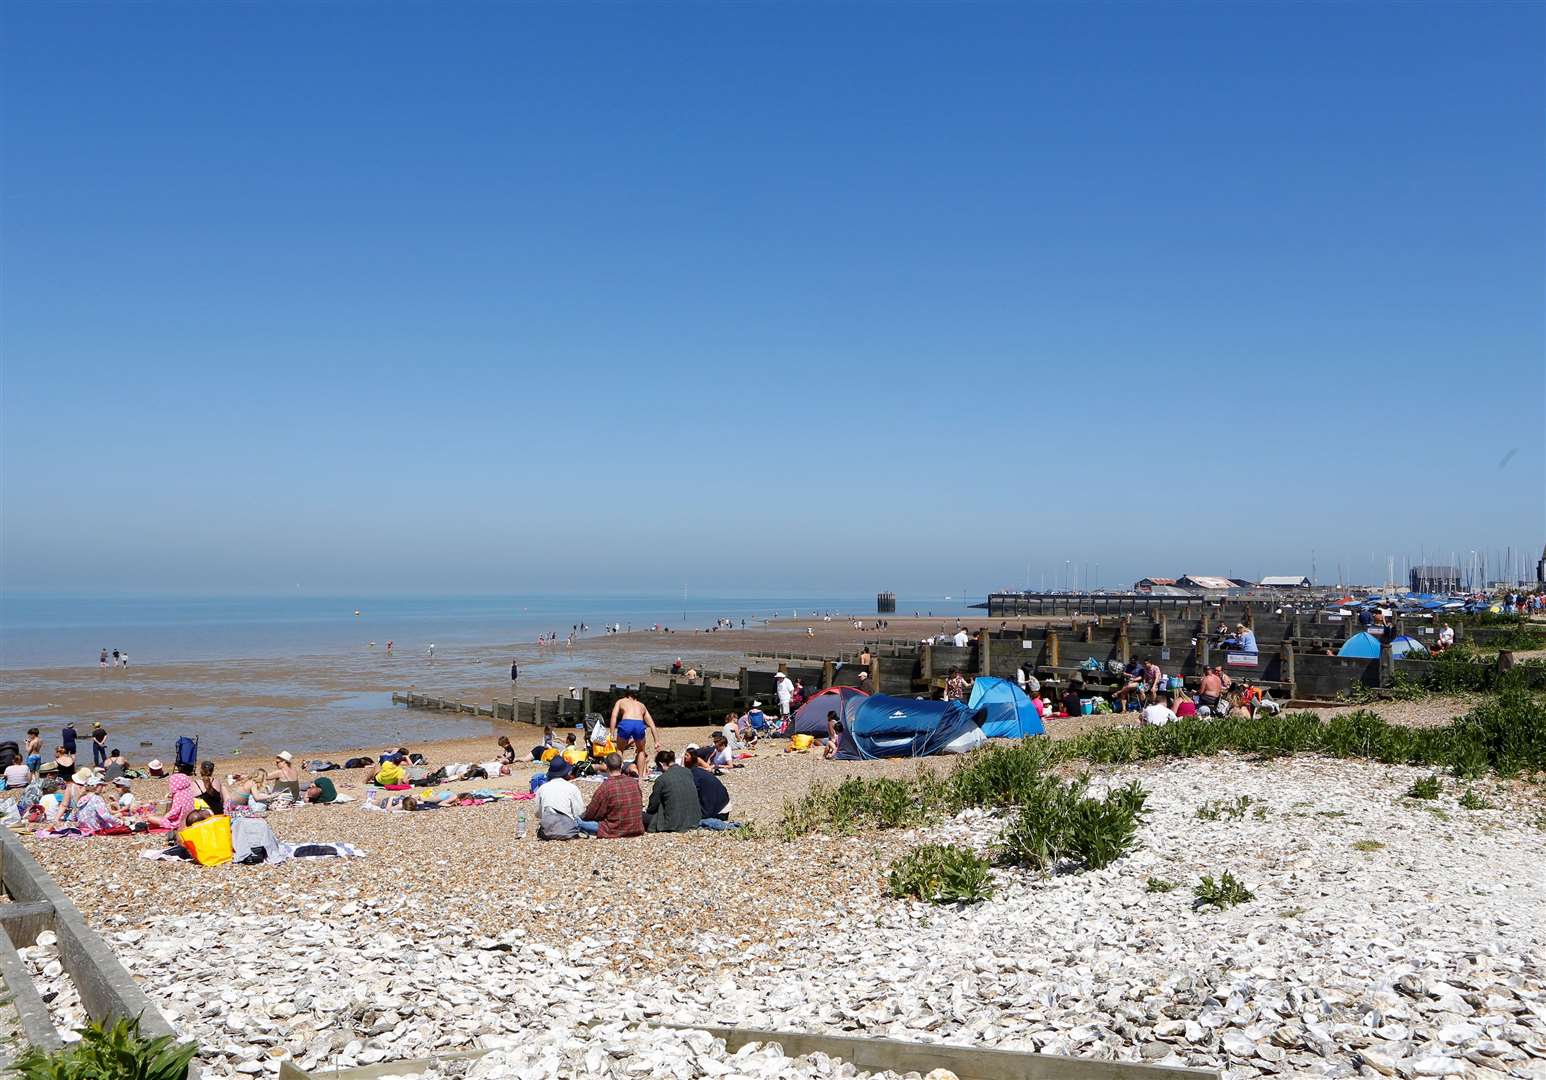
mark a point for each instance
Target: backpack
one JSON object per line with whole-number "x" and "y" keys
{"x": 187, "y": 752}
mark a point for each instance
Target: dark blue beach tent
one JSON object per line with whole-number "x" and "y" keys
{"x": 882, "y": 726}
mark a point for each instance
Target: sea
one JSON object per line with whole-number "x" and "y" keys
{"x": 248, "y": 674}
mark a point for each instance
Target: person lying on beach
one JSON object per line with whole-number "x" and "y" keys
{"x": 321, "y": 790}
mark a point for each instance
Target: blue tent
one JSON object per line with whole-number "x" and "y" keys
{"x": 1367, "y": 647}
{"x": 1006, "y": 712}
{"x": 880, "y": 726}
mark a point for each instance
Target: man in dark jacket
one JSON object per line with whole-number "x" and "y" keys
{"x": 713, "y": 799}
{"x": 673, "y": 805}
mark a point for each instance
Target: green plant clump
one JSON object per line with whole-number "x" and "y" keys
{"x": 1227, "y": 891}
{"x": 940, "y": 874}
{"x": 116, "y": 1052}
{"x": 1158, "y": 885}
{"x": 1428, "y": 787}
{"x": 1225, "y": 810}
{"x": 1367, "y": 845}
{"x": 1470, "y": 800}
{"x": 1062, "y": 821}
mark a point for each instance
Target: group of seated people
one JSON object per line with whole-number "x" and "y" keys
{"x": 1217, "y": 695}
{"x": 683, "y": 798}
{"x": 98, "y": 800}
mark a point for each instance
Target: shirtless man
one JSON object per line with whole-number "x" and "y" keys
{"x": 630, "y": 720}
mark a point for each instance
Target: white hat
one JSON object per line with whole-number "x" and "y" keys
{"x": 285, "y": 756}
{"x": 84, "y": 776}
{"x": 154, "y": 764}
{"x": 756, "y": 704}
{"x": 121, "y": 781}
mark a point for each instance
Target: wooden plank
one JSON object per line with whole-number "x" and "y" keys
{"x": 36, "y": 1024}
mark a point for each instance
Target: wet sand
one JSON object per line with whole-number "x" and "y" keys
{"x": 335, "y": 703}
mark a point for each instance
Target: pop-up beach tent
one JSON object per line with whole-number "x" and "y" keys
{"x": 1366, "y": 646}
{"x": 1006, "y": 713}
{"x": 880, "y": 726}
{"x": 811, "y": 718}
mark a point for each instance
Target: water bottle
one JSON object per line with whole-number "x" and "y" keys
{"x": 520, "y": 824}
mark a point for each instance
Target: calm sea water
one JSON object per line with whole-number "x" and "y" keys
{"x": 63, "y": 631}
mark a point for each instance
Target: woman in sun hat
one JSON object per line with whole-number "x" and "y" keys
{"x": 287, "y": 781}
{"x": 91, "y": 813}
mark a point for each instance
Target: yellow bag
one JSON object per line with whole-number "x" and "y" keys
{"x": 801, "y": 742}
{"x": 549, "y": 754}
{"x": 574, "y": 755}
{"x": 209, "y": 842}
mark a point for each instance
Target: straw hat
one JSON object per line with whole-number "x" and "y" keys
{"x": 82, "y": 776}
{"x": 285, "y": 756}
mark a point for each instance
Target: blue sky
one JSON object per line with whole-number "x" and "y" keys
{"x": 815, "y": 297}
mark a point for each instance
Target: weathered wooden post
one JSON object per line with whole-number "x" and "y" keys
{"x": 1124, "y": 649}
{"x": 828, "y": 672}
{"x": 1052, "y": 648}
{"x": 743, "y": 680}
{"x": 983, "y": 667}
{"x": 874, "y": 674}
{"x": 1288, "y": 670}
{"x": 1387, "y": 663}
{"x": 926, "y": 663}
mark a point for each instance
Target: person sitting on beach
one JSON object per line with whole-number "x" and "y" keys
{"x": 756, "y": 719}
{"x": 630, "y": 721}
{"x": 673, "y": 805}
{"x": 206, "y": 788}
{"x": 124, "y": 793}
{"x": 1446, "y": 640}
{"x": 321, "y": 790}
{"x": 1073, "y": 699}
{"x": 63, "y": 763}
{"x": 1153, "y": 682}
{"x": 616, "y": 809}
{"x": 723, "y": 757}
{"x": 1132, "y": 682}
{"x": 1212, "y": 691}
{"x": 116, "y": 765}
{"x": 287, "y": 780}
{"x": 834, "y": 743}
{"x": 1159, "y": 714}
{"x": 559, "y": 806}
{"x": 155, "y": 768}
{"x": 1186, "y": 708}
{"x": 179, "y": 803}
{"x": 92, "y": 814}
{"x": 506, "y": 751}
{"x": 17, "y": 775}
{"x": 713, "y": 799}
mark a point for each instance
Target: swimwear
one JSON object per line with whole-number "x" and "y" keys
{"x": 630, "y": 730}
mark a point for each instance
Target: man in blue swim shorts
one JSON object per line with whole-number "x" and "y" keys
{"x": 630, "y": 721}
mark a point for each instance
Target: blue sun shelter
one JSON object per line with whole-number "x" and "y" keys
{"x": 1006, "y": 712}
{"x": 1367, "y": 647}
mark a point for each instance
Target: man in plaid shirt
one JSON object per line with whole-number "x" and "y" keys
{"x": 617, "y": 807}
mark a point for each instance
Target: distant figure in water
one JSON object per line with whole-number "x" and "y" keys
{"x": 389, "y": 646}
{"x": 432, "y": 650}
{"x": 102, "y": 660}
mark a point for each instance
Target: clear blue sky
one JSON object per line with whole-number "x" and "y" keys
{"x": 816, "y": 297}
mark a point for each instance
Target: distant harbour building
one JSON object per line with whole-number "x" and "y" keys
{"x": 1435, "y": 579}
{"x": 1540, "y": 569}
{"x": 1149, "y": 584}
{"x": 1206, "y": 584}
{"x": 1277, "y": 581}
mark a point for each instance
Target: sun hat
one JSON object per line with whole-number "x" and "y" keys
{"x": 285, "y": 756}
{"x": 96, "y": 723}
{"x": 154, "y": 765}
{"x": 121, "y": 781}
{"x": 756, "y": 704}
{"x": 557, "y": 767}
{"x": 82, "y": 776}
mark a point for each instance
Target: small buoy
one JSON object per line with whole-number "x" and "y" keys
{"x": 356, "y": 613}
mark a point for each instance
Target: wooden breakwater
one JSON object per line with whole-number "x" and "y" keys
{"x": 1296, "y": 660}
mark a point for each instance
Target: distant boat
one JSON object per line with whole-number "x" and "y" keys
{"x": 356, "y": 613}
